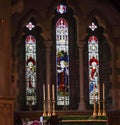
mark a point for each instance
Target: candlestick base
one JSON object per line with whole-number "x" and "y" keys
{"x": 94, "y": 114}
{"x": 49, "y": 108}
{"x": 99, "y": 109}
{"x": 104, "y": 114}
{"x": 94, "y": 110}
{"x": 53, "y": 113}
{"x": 99, "y": 114}
{"x": 53, "y": 106}
{"x": 49, "y": 114}
{"x": 44, "y": 114}
{"x": 44, "y": 108}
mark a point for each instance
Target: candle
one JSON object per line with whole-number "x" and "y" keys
{"x": 43, "y": 91}
{"x": 53, "y": 92}
{"x": 48, "y": 92}
{"x": 103, "y": 91}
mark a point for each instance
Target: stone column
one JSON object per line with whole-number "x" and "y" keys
{"x": 48, "y": 48}
{"x": 81, "y": 76}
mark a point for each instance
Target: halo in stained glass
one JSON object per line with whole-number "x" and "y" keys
{"x": 62, "y": 62}
{"x": 93, "y": 64}
{"x": 30, "y": 54}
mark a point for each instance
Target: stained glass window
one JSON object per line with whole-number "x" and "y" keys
{"x": 30, "y": 67}
{"x": 62, "y": 62}
{"x": 30, "y": 26}
{"x": 93, "y": 26}
{"x": 61, "y": 9}
{"x": 93, "y": 64}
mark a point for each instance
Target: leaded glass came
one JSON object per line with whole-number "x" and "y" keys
{"x": 93, "y": 64}
{"x": 30, "y": 66}
{"x": 61, "y": 9}
{"x": 62, "y": 62}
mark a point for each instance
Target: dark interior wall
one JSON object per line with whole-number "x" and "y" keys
{"x": 73, "y": 56}
{"x": 39, "y": 10}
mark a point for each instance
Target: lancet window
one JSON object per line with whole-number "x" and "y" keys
{"x": 30, "y": 67}
{"x": 62, "y": 58}
{"x": 93, "y": 64}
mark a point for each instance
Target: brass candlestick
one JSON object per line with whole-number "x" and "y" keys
{"x": 94, "y": 111}
{"x": 44, "y": 108}
{"x": 49, "y": 108}
{"x": 104, "y": 112}
{"x": 53, "y": 106}
{"x": 99, "y": 110}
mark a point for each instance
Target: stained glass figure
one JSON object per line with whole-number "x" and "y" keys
{"x": 93, "y": 57}
{"x": 62, "y": 62}
{"x": 30, "y": 73}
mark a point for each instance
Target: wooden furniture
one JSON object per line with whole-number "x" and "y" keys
{"x": 6, "y": 110}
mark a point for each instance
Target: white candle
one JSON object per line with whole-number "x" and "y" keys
{"x": 53, "y": 92}
{"x": 48, "y": 92}
{"x": 103, "y": 91}
{"x": 43, "y": 91}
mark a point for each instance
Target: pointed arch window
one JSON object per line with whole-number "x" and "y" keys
{"x": 30, "y": 72}
{"x": 64, "y": 37}
{"x": 62, "y": 62}
{"x": 93, "y": 67}
{"x": 30, "y": 67}
{"x": 98, "y": 61}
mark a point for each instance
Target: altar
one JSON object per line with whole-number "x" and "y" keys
{"x": 75, "y": 120}
{"x": 68, "y": 120}
{"x": 70, "y": 117}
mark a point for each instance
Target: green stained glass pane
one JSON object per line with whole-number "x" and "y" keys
{"x": 93, "y": 64}
{"x": 62, "y": 62}
{"x": 30, "y": 74}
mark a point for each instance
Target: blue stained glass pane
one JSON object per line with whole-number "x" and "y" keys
{"x": 93, "y": 57}
{"x": 30, "y": 74}
{"x": 62, "y": 62}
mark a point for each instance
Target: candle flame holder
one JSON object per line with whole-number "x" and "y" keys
{"x": 99, "y": 110}
{"x": 44, "y": 108}
{"x": 104, "y": 112}
{"x": 53, "y": 104}
{"x": 49, "y": 108}
{"x": 94, "y": 110}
